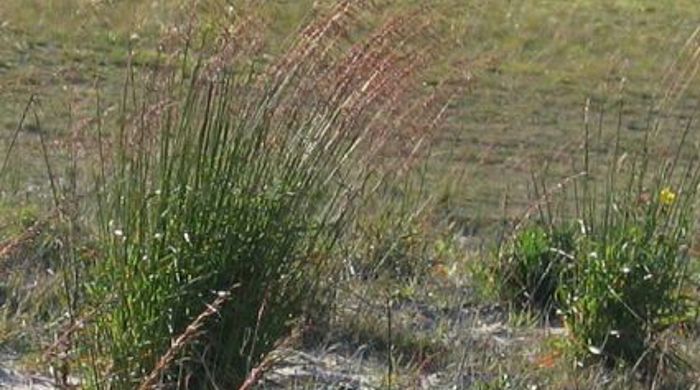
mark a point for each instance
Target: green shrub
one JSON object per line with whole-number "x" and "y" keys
{"x": 614, "y": 262}
{"x": 629, "y": 287}
{"x": 531, "y": 268}
{"x": 631, "y": 270}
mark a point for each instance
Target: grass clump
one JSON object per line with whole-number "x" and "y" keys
{"x": 632, "y": 268}
{"x": 241, "y": 183}
{"x": 616, "y": 265}
{"x": 631, "y": 283}
{"x": 628, "y": 292}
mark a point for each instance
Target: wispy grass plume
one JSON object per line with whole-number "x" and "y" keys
{"x": 247, "y": 179}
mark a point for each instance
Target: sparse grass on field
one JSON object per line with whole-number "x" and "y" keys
{"x": 532, "y": 65}
{"x": 411, "y": 300}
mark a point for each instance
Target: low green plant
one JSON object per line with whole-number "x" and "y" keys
{"x": 630, "y": 284}
{"x": 617, "y": 268}
{"x": 533, "y": 266}
{"x": 632, "y": 263}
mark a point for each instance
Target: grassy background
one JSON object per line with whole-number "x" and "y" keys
{"x": 532, "y": 66}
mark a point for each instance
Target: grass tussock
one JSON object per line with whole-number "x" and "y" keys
{"x": 614, "y": 260}
{"x": 240, "y": 181}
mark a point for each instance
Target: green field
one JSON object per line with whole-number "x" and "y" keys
{"x": 531, "y": 65}
{"x": 527, "y": 80}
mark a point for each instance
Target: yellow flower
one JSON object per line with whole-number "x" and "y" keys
{"x": 667, "y": 196}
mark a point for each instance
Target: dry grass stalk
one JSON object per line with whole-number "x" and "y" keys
{"x": 317, "y": 39}
{"x": 11, "y": 246}
{"x": 190, "y": 333}
{"x": 372, "y": 83}
{"x": 681, "y": 72}
{"x": 58, "y": 353}
{"x": 270, "y": 359}
{"x": 11, "y": 249}
{"x": 545, "y": 198}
